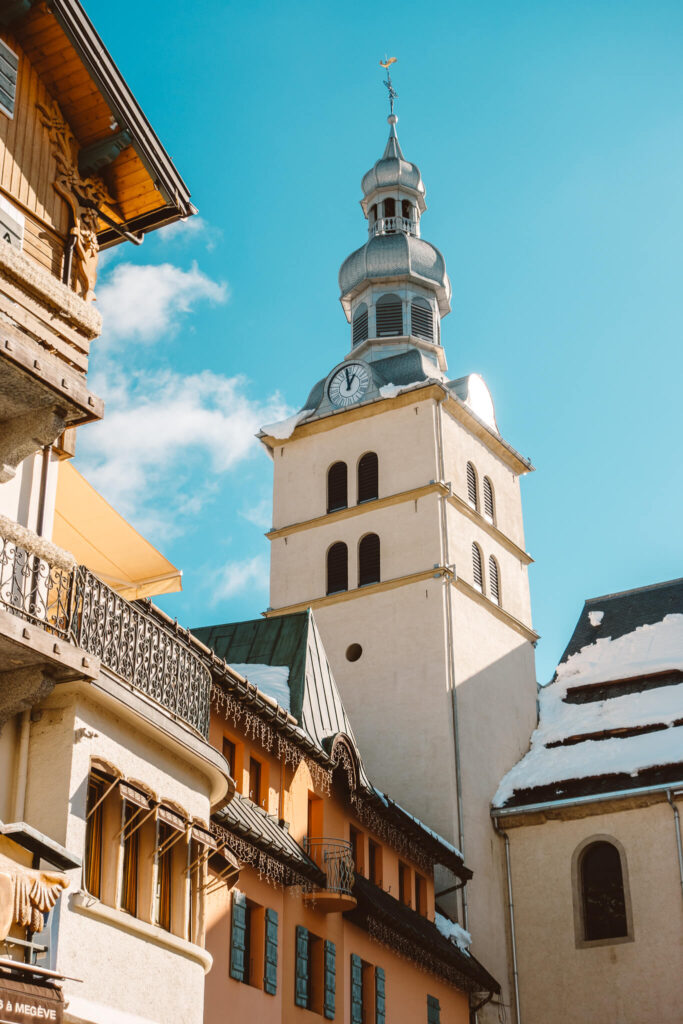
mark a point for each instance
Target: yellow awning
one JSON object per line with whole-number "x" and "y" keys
{"x": 102, "y": 540}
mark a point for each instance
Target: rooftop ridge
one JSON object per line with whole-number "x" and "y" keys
{"x": 634, "y": 590}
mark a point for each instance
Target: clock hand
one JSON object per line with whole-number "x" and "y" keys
{"x": 348, "y": 380}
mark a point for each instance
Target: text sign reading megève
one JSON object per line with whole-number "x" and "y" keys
{"x": 22, "y": 1004}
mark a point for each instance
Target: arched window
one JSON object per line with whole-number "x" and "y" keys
{"x": 602, "y": 892}
{"x": 373, "y": 213}
{"x": 337, "y": 496}
{"x": 367, "y": 477}
{"x": 337, "y": 568}
{"x": 477, "y": 568}
{"x": 489, "y": 506}
{"x": 421, "y": 319}
{"x": 360, "y": 324}
{"x": 389, "y": 207}
{"x": 389, "y": 314}
{"x": 494, "y": 580}
{"x": 368, "y": 560}
{"x": 472, "y": 486}
{"x": 407, "y": 209}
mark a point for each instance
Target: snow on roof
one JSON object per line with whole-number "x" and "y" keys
{"x": 645, "y": 651}
{"x": 450, "y": 930}
{"x": 391, "y": 390}
{"x": 285, "y": 428}
{"x": 270, "y": 679}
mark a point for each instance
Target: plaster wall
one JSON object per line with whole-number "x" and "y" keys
{"x": 8, "y": 760}
{"x": 632, "y": 982}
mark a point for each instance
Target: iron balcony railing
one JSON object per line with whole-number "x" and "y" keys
{"x": 392, "y": 225}
{"x": 335, "y": 858}
{"x": 75, "y": 605}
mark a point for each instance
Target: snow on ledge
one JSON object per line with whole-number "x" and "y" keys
{"x": 285, "y": 428}
{"x": 453, "y": 932}
{"x": 595, "y": 618}
{"x": 391, "y": 390}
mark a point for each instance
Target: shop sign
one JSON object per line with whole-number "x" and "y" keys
{"x": 28, "y": 1004}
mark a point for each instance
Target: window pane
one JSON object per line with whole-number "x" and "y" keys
{"x": 604, "y": 905}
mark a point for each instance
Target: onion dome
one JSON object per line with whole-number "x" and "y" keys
{"x": 391, "y": 258}
{"x": 392, "y": 170}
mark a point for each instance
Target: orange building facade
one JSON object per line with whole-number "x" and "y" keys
{"x": 332, "y": 913}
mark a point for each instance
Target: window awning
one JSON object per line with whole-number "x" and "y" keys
{"x": 101, "y": 539}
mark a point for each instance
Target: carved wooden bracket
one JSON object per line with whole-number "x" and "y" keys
{"x": 26, "y": 895}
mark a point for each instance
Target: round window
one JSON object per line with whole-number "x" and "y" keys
{"x": 353, "y": 652}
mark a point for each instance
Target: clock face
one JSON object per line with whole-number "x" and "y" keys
{"x": 348, "y": 384}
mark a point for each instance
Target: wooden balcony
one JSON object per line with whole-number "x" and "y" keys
{"x": 335, "y": 858}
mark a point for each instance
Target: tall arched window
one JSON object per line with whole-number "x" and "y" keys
{"x": 421, "y": 319}
{"x": 368, "y": 560}
{"x": 407, "y": 209}
{"x": 337, "y": 492}
{"x": 337, "y": 568}
{"x": 489, "y": 505}
{"x": 472, "y": 486}
{"x": 477, "y": 568}
{"x": 367, "y": 477}
{"x": 494, "y": 580}
{"x": 602, "y": 892}
{"x": 389, "y": 316}
{"x": 389, "y": 207}
{"x": 360, "y": 324}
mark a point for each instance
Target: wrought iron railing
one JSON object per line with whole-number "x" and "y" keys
{"x": 391, "y": 225}
{"x": 75, "y": 605}
{"x": 335, "y": 858}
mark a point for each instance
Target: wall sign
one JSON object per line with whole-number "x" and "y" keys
{"x": 25, "y": 1004}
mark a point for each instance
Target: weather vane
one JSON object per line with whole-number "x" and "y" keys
{"x": 386, "y": 64}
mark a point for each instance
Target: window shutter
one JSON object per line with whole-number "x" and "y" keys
{"x": 9, "y": 65}
{"x": 433, "y": 1010}
{"x": 367, "y": 477}
{"x": 301, "y": 982}
{"x": 380, "y": 996}
{"x": 330, "y": 979}
{"x": 493, "y": 580}
{"x": 472, "y": 486}
{"x": 337, "y": 568}
{"x": 421, "y": 321}
{"x": 389, "y": 316}
{"x": 360, "y": 325}
{"x": 477, "y": 569}
{"x": 238, "y": 936}
{"x": 270, "y": 967}
{"x": 368, "y": 560}
{"x": 337, "y": 496}
{"x": 356, "y": 990}
{"x": 488, "y": 499}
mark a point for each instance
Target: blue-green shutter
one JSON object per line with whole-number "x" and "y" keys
{"x": 433, "y": 1010}
{"x": 270, "y": 965}
{"x": 356, "y": 990}
{"x": 301, "y": 982}
{"x": 330, "y": 979}
{"x": 380, "y": 996}
{"x": 238, "y": 936}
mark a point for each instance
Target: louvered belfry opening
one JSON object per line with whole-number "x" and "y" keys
{"x": 477, "y": 568}
{"x": 472, "y": 486}
{"x": 337, "y": 489}
{"x": 494, "y": 580}
{"x": 337, "y": 568}
{"x": 9, "y": 67}
{"x": 368, "y": 560}
{"x": 489, "y": 509}
{"x": 421, "y": 320}
{"x": 389, "y": 316}
{"x": 360, "y": 324}
{"x": 368, "y": 477}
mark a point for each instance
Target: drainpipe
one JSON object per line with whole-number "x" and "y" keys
{"x": 19, "y": 808}
{"x": 511, "y": 911}
{"x": 451, "y": 654}
{"x": 677, "y": 826}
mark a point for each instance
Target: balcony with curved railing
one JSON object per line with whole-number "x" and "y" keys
{"x": 40, "y": 585}
{"x": 334, "y": 857}
{"x": 394, "y": 225}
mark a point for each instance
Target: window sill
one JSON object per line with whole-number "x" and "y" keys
{"x": 84, "y": 903}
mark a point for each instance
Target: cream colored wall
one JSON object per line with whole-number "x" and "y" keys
{"x": 20, "y": 496}
{"x": 636, "y": 982}
{"x": 8, "y": 759}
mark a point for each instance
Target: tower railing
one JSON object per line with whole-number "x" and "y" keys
{"x": 394, "y": 225}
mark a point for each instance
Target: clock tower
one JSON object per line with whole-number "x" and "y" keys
{"x": 397, "y": 517}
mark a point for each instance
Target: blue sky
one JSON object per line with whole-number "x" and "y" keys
{"x": 550, "y": 140}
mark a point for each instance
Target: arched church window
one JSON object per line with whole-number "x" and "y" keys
{"x": 360, "y": 324}
{"x": 337, "y": 491}
{"x": 494, "y": 580}
{"x": 602, "y": 892}
{"x": 407, "y": 209}
{"x": 389, "y": 207}
{"x": 389, "y": 316}
{"x": 489, "y": 506}
{"x": 368, "y": 560}
{"x": 367, "y": 477}
{"x": 477, "y": 568}
{"x": 421, "y": 319}
{"x": 472, "y": 486}
{"x": 337, "y": 568}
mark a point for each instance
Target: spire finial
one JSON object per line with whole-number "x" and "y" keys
{"x": 393, "y": 95}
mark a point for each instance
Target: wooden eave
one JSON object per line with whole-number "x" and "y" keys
{"x": 80, "y": 74}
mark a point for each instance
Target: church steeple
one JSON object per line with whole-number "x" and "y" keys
{"x": 395, "y": 289}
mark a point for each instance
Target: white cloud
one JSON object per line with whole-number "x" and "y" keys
{"x": 236, "y": 577}
{"x": 143, "y": 302}
{"x": 166, "y": 436}
{"x": 259, "y": 513}
{"x": 191, "y": 230}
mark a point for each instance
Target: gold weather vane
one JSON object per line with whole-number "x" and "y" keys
{"x": 386, "y": 64}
